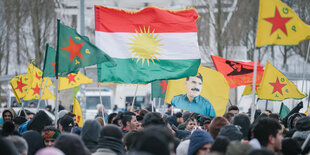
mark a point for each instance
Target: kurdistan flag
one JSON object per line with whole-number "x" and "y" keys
{"x": 248, "y": 89}
{"x": 34, "y": 91}
{"x": 159, "y": 88}
{"x": 278, "y": 24}
{"x": 275, "y": 86}
{"x": 76, "y": 51}
{"x": 21, "y": 85}
{"x": 77, "y": 107}
{"x": 149, "y": 44}
{"x": 73, "y": 80}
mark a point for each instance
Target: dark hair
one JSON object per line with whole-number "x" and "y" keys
{"x": 265, "y": 127}
{"x": 139, "y": 118}
{"x": 189, "y": 119}
{"x": 178, "y": 114}
{"x": 110, "y": 117}
{"x": 127, "y": 116}
{"x": 111, "y": 130}
{"x": 130, "y": 138}
{"x": 233, "y": 107}
{"x": 152, "y": 118}
{"x": 274, "y": 116}
{"x": 39, "y": 121}
{"x": 204, "y": 119}
{"x": 119, "y": 116}
{"x": 228, "y": 116}
{"x": 220, "y": 144}
{"x": 198, "y": 76}
{"x": 260, "y": 152}
{"x": 71, "y": 114}
{"x": 169, "y": 105}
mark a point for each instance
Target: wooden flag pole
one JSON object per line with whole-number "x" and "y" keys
{"x": 134, "y": 98}
{"x": 41, "y": 92}
{"x": 101, "y": 104}
{"x": 253, "y": 105}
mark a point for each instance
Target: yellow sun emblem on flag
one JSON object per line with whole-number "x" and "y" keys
{"x": 145, "y": 46}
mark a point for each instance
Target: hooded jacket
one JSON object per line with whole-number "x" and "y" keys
{"x": 13, "y": 113}
{"x": 34, "y": 141}
{"x": 70, "y": 144}
{"x": 39, "y": 121}
{"x": 244, "y": 122}
{"x": 90, "y": 134}
{"x": 110, "y": 143}
{"x": 198, "y": 139}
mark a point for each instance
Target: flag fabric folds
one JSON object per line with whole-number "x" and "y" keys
{"x": 284, "y": 111}
{"x": 237, "y": 73}
{"x": 278, "y": 24}
{"x": 49, "y": 69}
{"x": 34, "y": 91}
{"x": 20, "y": 86}
{"x": 275, "y": 86}
{"x": 77, "y": 107}
{"x": 159, "y": 88}
{"x": 76, "y": 51}
{"x": 148, "y": 45}
{"x": 73, "y": 80}
{"x": 248, "y": 90}
{"x": 214, "y": 88}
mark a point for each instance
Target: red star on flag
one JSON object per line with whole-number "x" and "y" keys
{"x": 38, "y": 77}
{"x": 20, "y": 85}
{"x": 36, "y": 90}
{"x": 278, "y": 22}
{"x": 53, "y": 64}
{"x": 164, "y": 85}
{"x": 74, "y": 49}
{"x": 277, "y": 86}
{"x": 71, "y": 78}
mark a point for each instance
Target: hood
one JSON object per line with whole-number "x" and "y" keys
{"x": 291, "y": 118}
{"x": 303, "y": 124}
{"x": 232, "y": 132}
{"x": 91, "y": 131}
{"x": 198, "y": 139}
{"x": 112, "y": 143}
{"x": 70, "y": 144}
{"x": 12, "y": 111}
{"x": 39, "y": 121}
{"x": 244, "y": 122}
{"x": 34, "y": 141}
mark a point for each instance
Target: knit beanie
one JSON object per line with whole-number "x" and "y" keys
{"x": 198, "y": 139}
{"x": 231, "y": 132}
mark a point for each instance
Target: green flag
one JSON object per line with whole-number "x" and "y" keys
{"x": 159, "y": 88}
{"x": 284, "y": 110}
{"x": 76, "y": 51}
{"x": 49, "y": 62}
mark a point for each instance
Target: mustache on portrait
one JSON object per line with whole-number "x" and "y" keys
{"x": 195, "y": 89}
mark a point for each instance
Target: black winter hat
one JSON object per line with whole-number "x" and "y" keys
{"x": 303, "y": 124}
{"x": 231, "y": 132}
{"x": 67, "y": 123}
{"x": 290, "y": 146}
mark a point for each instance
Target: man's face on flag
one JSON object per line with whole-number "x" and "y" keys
{"x": 193, "y": 86}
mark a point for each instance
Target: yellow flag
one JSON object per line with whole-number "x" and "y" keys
{"x": 21, "y": 85}
{"x": 306, "y": 113}
{"x": 248, "y": 90}
{"x": 78, "y": 112}
{"x": 34, "y": 91}
{"x": 73, "y": 80}
{"x": 213, "y": 87}
{"x": 278, "y": 24}
{"x": 275, "y": 86}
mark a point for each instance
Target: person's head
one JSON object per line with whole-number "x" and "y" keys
{"x": 118, "y": 119}
{"x": 50, "y": 151}
{"x": 19, "y": 143}
{"x": 111, "y": 130}
{"x": 232, "y": 132}
{"x": 66, "y": 124}
{"x": 205, "y": 121}
{"x": 152, "y": 118}
{"x": 129, "y": 139}
{"x": 216, "y": 124}
{"x": 50, "y": 134}
{"x": 200, "y": 143}
{"x": 290, "y": 146}
{"x": 262, "y": 151}
{"x": 34, "y": 140}
{"x": 268, "y": 132}
{"x": 220, "y": 144}
{"x": 100, "y": 120}
{"x": 275, "y": 116}
{"x": 169, "y": 107}
{"x": 129, "y": 121}
{"x": 111, "y": 117}
{"x": 8, "y": 114}
{"x": 243, "y": 121}
{"x": 91, "y": 131}
{"x": 39, "y": 121}
{"x": 229, "y": 116}
{"x": 14, "y": 104}
{"x": 100, "y": 108}
{"x": 111, "y": 138}
{"x": 193, "y": 86}
{"x": 31, "y": 105}
{"x": 233, "y": 109}
{"x": 139, "y": 126}
{"x": 70, "y": 144}
{"x": 191, "y": 123}
{"x": 48, "y": 108}
{"x": 179, "y": 117}
{"x": 73, "y": 116}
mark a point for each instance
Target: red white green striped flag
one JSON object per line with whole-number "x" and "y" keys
{"x": 150, "y": 44}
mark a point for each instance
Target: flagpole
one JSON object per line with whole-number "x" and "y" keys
{"x": 253, "y": 105}
{"x": 101, "y": 103}
{"x": 134, "y": 98}
{"x": 304, "y": 69}
{"x": 153, "y": 104}
{"x": 56, "y": 74}
{"x": 41, "y": 92}
{"x": 56, "y": 102}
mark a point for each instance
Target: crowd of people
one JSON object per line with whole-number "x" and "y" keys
{"x": 143, "y": 132}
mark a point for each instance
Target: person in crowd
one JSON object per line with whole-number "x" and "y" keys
{"x": 275, "y": 116}
{"x": 50, "y": 151}
{"x": 191, "y": 124}
{"x": 200, "y": 143}
{"x": 182, "y": 148}
{"x": 129, "y": 121}
{"x": 73, "y": 116}
{"x": 243, "y": 121}
{"x": 100, "y": 120}
{"x": 66, "y": 124}
{"x": 19, "y": 143}
{"x": 8, "y": 114}
{"x": 139, "y": 126}
{"x": 229, "y": 116}
{"x": 233, "y": 109}
{"x": 169, "y": 109}
{"x": 39, "y": 121}
{"x": 302, "y": 128}
{"x": 232, "y": 132}
{"x": 290, "y": 146}
{"x": 60, "y": 107}
{"x": 220, "y": 145}
{"x": 260, "y": 152}
{"x": 18, "y": 121}
{"x": 238, "y": 148}
{"x": 50, "y": 134}
{"x": 71, "y": 144}
{"x": 101, "y": 112}
{"x": 179, "y": 117}
{"x": 7, "y": 147}
{"x": 48, "y": 108}
{"x": 34, "y": 141}
{"x": 296, "y": 109}
{"x": 204, "y": 122}
{"x": 118, "y": 119}
{"x": 216, "y": 124}
{"x": 110, "y": 141}
{"x": 129, "y": 140}
{"x": 152, "y": 118}
{"x": 14, "y": 104}
{"x": 31, "y": 105}
{"x": 8, "y": 128}
{"x": 111, "y": 117}
{"x": 90, "y": 134}
{"x": 268, "y": 133}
